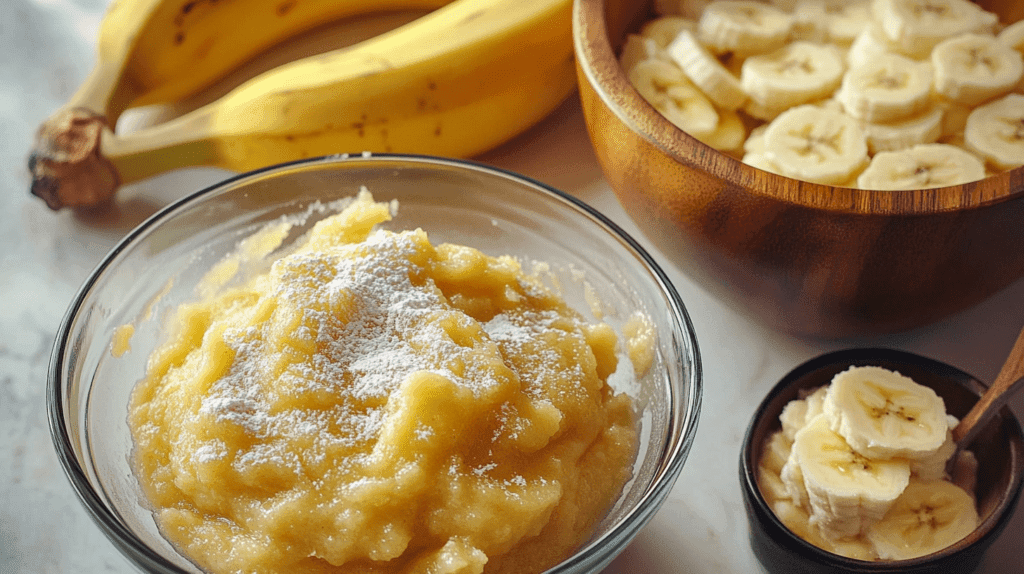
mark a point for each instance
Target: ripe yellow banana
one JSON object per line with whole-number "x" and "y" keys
{"x": 455, "y": 82}
{"x": 154, "y": 51}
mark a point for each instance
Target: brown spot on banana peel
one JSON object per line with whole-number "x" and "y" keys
{"x": 67, "y": 165}
{"x": 285, "y": 7}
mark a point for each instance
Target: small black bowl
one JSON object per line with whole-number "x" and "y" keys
{"x": 999, "y": 449}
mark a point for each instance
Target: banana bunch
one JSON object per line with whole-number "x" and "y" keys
{"x": 859, "y": 468}
{"x": 457, "y": 81}
{"x": 826, "y": 89}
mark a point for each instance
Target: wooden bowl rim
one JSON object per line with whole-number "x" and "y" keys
{"x": 598, "y": 63}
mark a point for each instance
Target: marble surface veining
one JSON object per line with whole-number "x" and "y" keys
{"x": 46, "y": 48}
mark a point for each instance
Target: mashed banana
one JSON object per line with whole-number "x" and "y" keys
{"x": 374, "y": 403}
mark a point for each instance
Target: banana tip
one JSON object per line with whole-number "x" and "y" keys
{"x": 67, "y": 165}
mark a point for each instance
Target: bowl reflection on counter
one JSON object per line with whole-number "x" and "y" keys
{"x": 157, "y": 266}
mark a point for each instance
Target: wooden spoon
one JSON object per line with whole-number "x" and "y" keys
{"x": 1009, "y": 380}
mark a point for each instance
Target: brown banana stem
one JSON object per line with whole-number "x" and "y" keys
{"x": 78, "y": 161}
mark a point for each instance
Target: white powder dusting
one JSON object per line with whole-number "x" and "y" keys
{"x": 387, "y": 329}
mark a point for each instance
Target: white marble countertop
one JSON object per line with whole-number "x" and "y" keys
{"x": 46, "y": 48}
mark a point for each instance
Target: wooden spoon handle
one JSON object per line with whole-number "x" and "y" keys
{"x": 1009, "y": 379}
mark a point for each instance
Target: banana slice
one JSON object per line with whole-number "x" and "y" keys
{"x": 775, "y": 453}
{"x": 743, "y": 27}
{"x": 830, "y": 21}
{"x": 664, "y": 29}
{"x": 846, "y": 491}
{"x": 923, "y": 166}
{"x": 666, "y": 88}
{"x": 996, "y": 131}
{"x": 1013, "y": 36}
{"x": 933, "y": 467}
{"x": 888, "y": 88}
{"x": 923, "y": 128}
{"x": 846, "y": 20}
{"x": 917, "y": 26}
{"x": 867, "y": 46}
{"x": 926, "y": 518}
{"x": 760, "y": 161}
{"x": 883, "y": 414}
{"x": 816, "y": 144}
{"x": 730, "y": 133}
{"x": 706, "y": 71}
{"x": 795, "y": 74}
{"x": 973, "y": 68}
{"x": 636, "y": 49}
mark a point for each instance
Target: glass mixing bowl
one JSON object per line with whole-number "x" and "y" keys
{"x": 158, "y": 266}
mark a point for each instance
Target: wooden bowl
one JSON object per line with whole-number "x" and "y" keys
{"x": 806, "y": 258}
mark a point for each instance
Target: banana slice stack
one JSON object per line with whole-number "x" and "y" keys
{"x": 858, "y": 468}
{"x": 875, "y": 94}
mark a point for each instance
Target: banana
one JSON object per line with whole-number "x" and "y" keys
{"x": 155, "y": 51}
{"x": 847, "y": 492}
{"x": 730, "y": 133}
{"x": 995, "y": 131}
{"x": 927, "y": 517}
{"x": 816, "y": 144}
{"x": 883, "y": 414}
{"x": 664, "y": 29}
{"x": 830, "y": 20}
{"x": 666, "y": 88}
{"x": 915, "y": 27}
{"x": 743, "y": 28}
{"x": 923, "y": 166}
{"x": 455, "y": 82}
{"x": 795, "y": 74}
{"x": 717, "y": 83}
{"x": 797, "y": 413}
{"x": 973, "y": 68}
{"x": 933, "y": 467}
{"x": 887, "y": 88}
{"x": 925, "y": 127}
{"x": 1013, "y": 36}
{"x": 636, "y": 49}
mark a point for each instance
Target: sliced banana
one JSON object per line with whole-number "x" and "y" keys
{"x": 923, "y": 166}
{"x": 933, "y": 467}
{"x": 1013, "y": 36}
{"x": 636, "y": 49}
{"x": 888, "y": 88}
{"x": 923, "y": 128}
{"x": 830, "y": 20}
{"x": 846, "y": 491}
{"x": 795, "y": 74}
{"x": 867, "y": 46}
{"x": 664, "y": 29}
{"x": 730, "y": 133}
{"x": 666, "y": 88}
{"x": 915, "y": 27}
{"x": 775, "y": 453}
{"x": 743, "y": 27}
{"x": 926, "y": 518}
{"x": 760, "y": 161}
{"x": 816, "y": 144}
{"x": 973, "y": 68}
{"x": 883, "y": 414}
{"x": 996, "y": 131}
{"x": 706, "y": 71}
{"x": 846, "y": 20}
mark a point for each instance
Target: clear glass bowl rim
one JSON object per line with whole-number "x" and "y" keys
{"x": 590, "y": 558}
